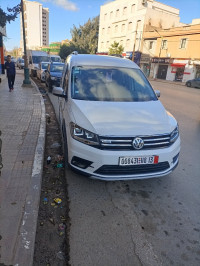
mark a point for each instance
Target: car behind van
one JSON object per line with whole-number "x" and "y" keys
{"x": 114, "y": 126}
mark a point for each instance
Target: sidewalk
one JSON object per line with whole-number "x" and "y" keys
{"x": 22, "y": 123}
{"x": 167, "y": 81}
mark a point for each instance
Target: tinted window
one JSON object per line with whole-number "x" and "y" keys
{"x": 44, "y": 65}
{"x": 56, "y": 68}
{"x": 110, "y": 84}
{"x": 55, "y": 59}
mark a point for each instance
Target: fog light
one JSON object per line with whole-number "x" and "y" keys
{"x": 81, "y": 163}
{"x": 175, "y": 158}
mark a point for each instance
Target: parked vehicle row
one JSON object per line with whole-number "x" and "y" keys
{"x": 50, "y": 73}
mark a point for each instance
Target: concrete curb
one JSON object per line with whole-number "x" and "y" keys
{"x": 26, "y": 241}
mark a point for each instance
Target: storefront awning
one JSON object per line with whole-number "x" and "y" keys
{"x": 178, "y": 65}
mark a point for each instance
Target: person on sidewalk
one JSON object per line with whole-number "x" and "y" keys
{"x": 11, "y": 72}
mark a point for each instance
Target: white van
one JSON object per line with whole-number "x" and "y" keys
{"x": 55, "y": 58}
{"x": 114, "y": 127}
{"x": 34, "y": 58}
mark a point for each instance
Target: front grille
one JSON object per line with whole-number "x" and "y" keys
{"x": 125, "y": 143}
{"x": 132, "y": 169}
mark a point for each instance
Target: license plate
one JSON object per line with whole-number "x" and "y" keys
{"x": 138, "y": 160}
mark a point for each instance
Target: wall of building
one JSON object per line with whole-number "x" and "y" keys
{"x": 121, "y": 25}
{"x": 36, "y": 20}
{"x": 123, "y": 21}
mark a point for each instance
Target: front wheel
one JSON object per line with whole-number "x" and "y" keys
{"x": 65, "y": 146}
{"x": 188, "y": 84}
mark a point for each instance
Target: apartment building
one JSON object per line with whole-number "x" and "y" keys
{"x": 36, "y": 19}
{"x": 2, "y": 33}
{"x": 174, "y": 53}
{"x": 124, "y": 21}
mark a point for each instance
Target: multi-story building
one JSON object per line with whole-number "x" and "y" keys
{"x": 124, "y": 21}
{"x": 174, "y": 53}
{"x": 2, "y": 33}
{"x": 36, "y": 19}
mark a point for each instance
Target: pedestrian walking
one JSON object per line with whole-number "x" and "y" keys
{"x": 10, "y": 67}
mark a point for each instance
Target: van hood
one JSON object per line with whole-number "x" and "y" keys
{"x": 122, "y": 118}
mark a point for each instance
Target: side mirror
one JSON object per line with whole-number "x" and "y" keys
{"x": 45, "y": 71}
{"x": 58, "y": 91}
{"x": 157, "y": 92}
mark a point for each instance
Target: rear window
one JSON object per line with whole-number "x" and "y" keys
{"x": 110, "y": 84}
{"x": 56, "y": 68}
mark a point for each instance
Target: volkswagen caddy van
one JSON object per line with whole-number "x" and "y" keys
{"x": 113, "y": 124}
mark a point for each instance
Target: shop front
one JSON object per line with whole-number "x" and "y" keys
{"x": 159, "y": 67}
{"x": 178, "y": 70}
{"x": 197, "y": 68}
{"x": 145, "y": 64}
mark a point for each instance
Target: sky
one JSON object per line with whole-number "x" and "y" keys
{"x": 63, "y": 14}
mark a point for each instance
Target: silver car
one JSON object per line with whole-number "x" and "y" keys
{"x": 193, "y": 83}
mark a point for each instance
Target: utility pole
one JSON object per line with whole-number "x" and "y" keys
{"x": 133, "y": 54}
{"x": 26, "y": 80}
{"x": 159, "y": 51}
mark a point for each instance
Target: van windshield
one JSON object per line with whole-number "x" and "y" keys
{"x": 38, "y": 59}
{"x": 55, "y": 59}
{"x": 110, "y": 84}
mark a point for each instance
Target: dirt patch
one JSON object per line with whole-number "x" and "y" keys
{"x": 51, "y": 244}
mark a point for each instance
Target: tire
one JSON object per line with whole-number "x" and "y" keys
{"x": 189, "y": 84}
{"x": 65, "y": 146}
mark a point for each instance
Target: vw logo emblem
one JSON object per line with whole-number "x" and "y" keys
{"x": 138, "y": 143}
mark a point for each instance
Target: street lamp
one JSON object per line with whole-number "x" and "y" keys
{"x": 26, "y": 80}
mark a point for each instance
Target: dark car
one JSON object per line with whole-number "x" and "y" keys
{"x": 53, "y": 75}
{"x": 193, "y": 83}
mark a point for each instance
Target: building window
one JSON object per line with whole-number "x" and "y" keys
{"x": 164, "y": 44}
{"x": 183, "y": 43}
{"x": 117, "y": 13}
{"x": 125, "y": 10}
{"x": 130, "y": 24}
{"x": 150, "y": 45}
{"x": 127, "y": 43}
{"x": 132, "y": 8}
{"x": 103, "y": 31}
{"x": 105, "y": 16}
{"x": 123, "y": 27}
{"x": 107, "y": 44}
{"x": 108, "y": 31}
{"x": 116, "y": 28}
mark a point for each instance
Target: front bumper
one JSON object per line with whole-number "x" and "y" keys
{"x": 104, "y": 164}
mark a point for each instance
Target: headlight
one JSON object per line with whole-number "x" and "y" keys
{"x": 174, "y": 135}
{"x": 83, "y": 135}
{"x": 53, "y": 78}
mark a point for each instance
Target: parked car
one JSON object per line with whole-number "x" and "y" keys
{"x": 20, "y": 63}
{"x": 193, "y": 83}
{"x": 42, "y": 66}
{"x": 113, "y": 125}
{"x": 34, "y": 58}
{"x": 13, "y": 59}
{"x": 53, "y": 75}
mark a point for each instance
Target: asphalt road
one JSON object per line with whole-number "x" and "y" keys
{"x": 143, "y": 222}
